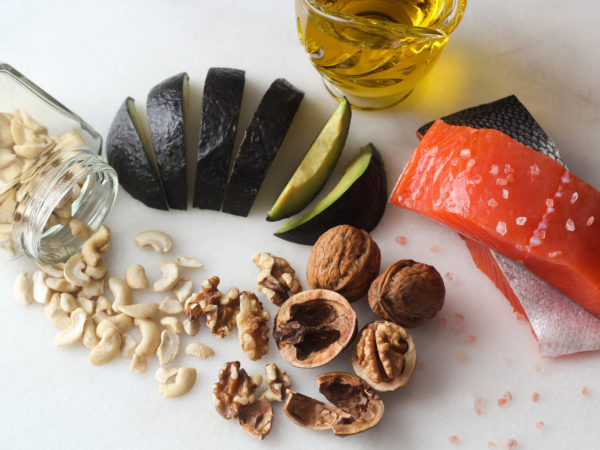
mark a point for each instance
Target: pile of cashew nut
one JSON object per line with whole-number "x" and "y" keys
{"x": 76, "y": 302}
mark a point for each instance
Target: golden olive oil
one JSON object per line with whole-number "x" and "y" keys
{"x": 374, "y": 51}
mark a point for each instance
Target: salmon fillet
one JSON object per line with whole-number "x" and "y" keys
{"x": 512, "y": 199}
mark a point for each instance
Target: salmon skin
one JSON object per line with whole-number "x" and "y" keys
{"x": 512, "y": 199}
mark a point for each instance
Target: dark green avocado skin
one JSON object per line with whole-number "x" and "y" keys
{"x": 125, "y": 153}
{"x": 361, "y": 206}
{"x": 166, "y": 120}
{"x": 221, "y": 103}
{"x": 262, "y": 140}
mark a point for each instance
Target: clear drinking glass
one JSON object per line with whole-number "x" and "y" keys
{"x": 49, "y": 186}
{"x": 373, "y": 52}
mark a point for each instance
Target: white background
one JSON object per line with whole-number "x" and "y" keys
{"x": 91, "y": 55}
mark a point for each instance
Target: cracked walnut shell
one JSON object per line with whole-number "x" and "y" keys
{"x": 276, "y": 280}
{"x": 234, "y": 390}
{"x": 407, "y": 293}
{"x": 384, "y": 355}
{"x": 220, "y": 309}
{"x": 256, "y": 419}
{"x": 345, "y": 260}
{"x": 252, "y": 326}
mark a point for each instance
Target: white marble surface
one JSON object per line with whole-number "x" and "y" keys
{"x": 90, "y": 55}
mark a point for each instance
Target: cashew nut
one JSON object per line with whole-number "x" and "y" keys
{"x": 100, "y": 316}
{"x": 199, "y": 350}
{"x": 74, "y": 271}
{"x": 105, "y": 325}
{"x": 170, "y": 275}
{"x": 172, "y": 324}
{"x": 98, "y": 243}
{"x": 136, "y": 278}
{"x": 171, "y": 305}
{"x": 55, "y": 270}
{"x": 120, "y": 291}
{"x": 104, "y": 304}
{"x": 88, "y": 305}
{"x": 191, "y": 327}
{"x": 94, "y": 288}
{"x": 89, "y": 337}
{"x": 165, "y": 374}
{"x": 159, "y": 241}
{"x": 139, "y": 364}
{"x": 23, "y": 289}
{"x": 60, "y": 285}
{"x": 41, "y": 292}
{"x": 140, "y": 310}
{"x": 183, "y": 289}
{"x": 55, "y": 314}
{"x": 72, "y": 334}
{"x": 123, "y": 322}
{"x": 79, "y": 229}
{"x": 184, "y": 381}
{"x": 188, "y": 262}
{"x": 128, "y": 345}
{"x": 98, "y": 271}
{"x": 107, "y": 349}
{"x": 150, "y": 332}
{"x": 169, "y": 347}
{"x": 68, "y": 303}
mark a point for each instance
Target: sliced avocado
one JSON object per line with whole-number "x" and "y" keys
{"x": 221, "y": 103}
{"x": 262, "y": 140}
{"x": 358, "y": 199}
{"x": 316, "y": 167}
{"x": 129, "y": 152}
{"x": 166, "y": 111}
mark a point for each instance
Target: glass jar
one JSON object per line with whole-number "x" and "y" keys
{"x": 54, "y": 191}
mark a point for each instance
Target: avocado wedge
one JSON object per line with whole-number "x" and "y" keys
{"x": 316, "y": 167}
{"x": 221, "y": 104}
{"x": 166, "y": 111}
{"x": 359, "y": 199}
{"x": 129, "y": 152}
{"x": 262, "y": 140}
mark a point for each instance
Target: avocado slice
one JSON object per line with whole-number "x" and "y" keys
{"x": 359, "y": 199}
{"x": 166, "y": 112}
{"x": 262, "y": 140}
{"x": 316, "y": 167}
{"x": 129, "y": 152}
{"x": 221, "y": 104}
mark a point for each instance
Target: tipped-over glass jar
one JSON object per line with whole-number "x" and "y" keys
{"x": 55, "y": 189}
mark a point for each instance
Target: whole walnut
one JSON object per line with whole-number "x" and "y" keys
{"x": 407, "y": 293}
{"x": 345, "y": 260}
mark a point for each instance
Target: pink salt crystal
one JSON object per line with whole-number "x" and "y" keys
{"x": 453, "y": 440}
{"x": 540, "y": 425}
{"x": 449, "y": 276}
{"x": 504, "y": 194}
{"x": 460, "y": 357}
{"x": 492, "y": 203}
{"x": 501, "y": 181}
{"x": 590, "y": 221}
{"x": 458, "y": 323}
{"x": 550, "y": 203}
{"x": 534, "y": 170}
{"x": 502, "y": 402}
{"x": 478, "y": 402}
{"x": 459, "y": 316}
{"x": 477, "y": 410}
{"x": 501, "y": 228}
{"x": 521, "y": 221}
{"x": 511, "y": 443}
{"x": 574, "y": 198}
{"x": 494, "y": 170}
{"x": 401, "y": 240}
{"x": 521, "y": 317}
{"x": 492, "y": 444}
{"x": 535, "y": 397}
{"x": 539, "y": 368}
{"x": 469, "y": 339}
{"x": 442, "y": 321}
{"x": 584, "y": 391}
{"x": 465, "y": 153}
{"x": 434, "y": 249}
{"x": 570, "y": 225}
{"x": 507, "y": 395}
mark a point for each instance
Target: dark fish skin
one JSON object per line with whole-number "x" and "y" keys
{"x": 508, "y": 115}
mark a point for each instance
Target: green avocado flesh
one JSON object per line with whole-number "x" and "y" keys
{"x": 353, "y": 172}
{"x": 316, "y": 167}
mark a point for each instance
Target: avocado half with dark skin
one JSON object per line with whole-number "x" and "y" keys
{"x": 262, "y": 140}
{"x": 129, "y": 152}
{"x": 359, "y": 199}
{"x": 166, "y": 111}
{"x": 221, "y": 104}
{"x": 316, "y": 167}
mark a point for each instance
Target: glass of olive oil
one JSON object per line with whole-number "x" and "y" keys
{"x": 374, "y": 51}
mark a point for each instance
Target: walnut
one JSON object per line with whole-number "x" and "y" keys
{"x": 256, "y": 419}
{"x": 407, "y": 293}
{"x": 252, "y": 326}
{"x": 234, "y": 390}
{"x": 220, "y": 309}
{"x": 384, "y": 355}
{"x": 345, "y": 260}
{"x": 277, "y": 280}
{"x": 278, "y": 383}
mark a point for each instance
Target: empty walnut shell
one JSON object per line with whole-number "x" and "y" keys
{"x": 384, "y": 355}
{"x": 407, "y": 293}
{"x": 256, "y": 418}
{"x": 357, "y": 407}
{"x": 313, "y": 327}
{"x": 345, "y": 260}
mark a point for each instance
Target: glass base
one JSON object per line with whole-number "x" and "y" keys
{"x": 366, "y": 103}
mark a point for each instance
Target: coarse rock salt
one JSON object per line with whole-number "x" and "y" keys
{"x": 501, "y": 181}
{"x": 492, "y": 203}
{"x": 590, "y": 221}
{"x": 449, "y": 276}
{"x": 402, "y": 240}
{"x": 465, "y": 153}
{"x": 521, "y": 221}
{"x": 540, "y": 425}
{"x": 570, "y": 225}
{"x": 453, "y": 440}
{"x": 506, "y": 397}
{"x": 502, "y": 402}
{"x": 550, "y": 203}
{"x": 469, "y": 339}
{"x": 585, "y": 391}
{"x": 501, "y": 228}
{"x": 535, "y": 397}
{"x": 521, "y": 317}
{"x": 539, "y": 368}
{"x": 477, "y": 410}
{"x": 511, "y": 443}
{"x": 574, "y": 198}
{"x": 554, "y": 254}
{"x": 534, "y": 170}
{"x": 442, "y": 321}
{"x": 435, "y": 248}
{"x": 492, "y": 444}
{"x": 494, "y": 170}
{"x": 460, "y": 357}
{"x": 478, "y": 402}
{"x": 504, "y": 194}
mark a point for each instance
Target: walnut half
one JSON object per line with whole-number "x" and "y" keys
{"x": 278, "y": 383}
{"x": 384, "y": 355}
{"x": 252, "y": 326}
{"x": 277, "y": 280}
{"x": 234, "y": 390}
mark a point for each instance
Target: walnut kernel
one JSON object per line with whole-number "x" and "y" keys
{"x": 252, "y": 326}
{"x": 278, "y": 383}
{"x": 276, "y": 280}
{"x": 234, "y": 389}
